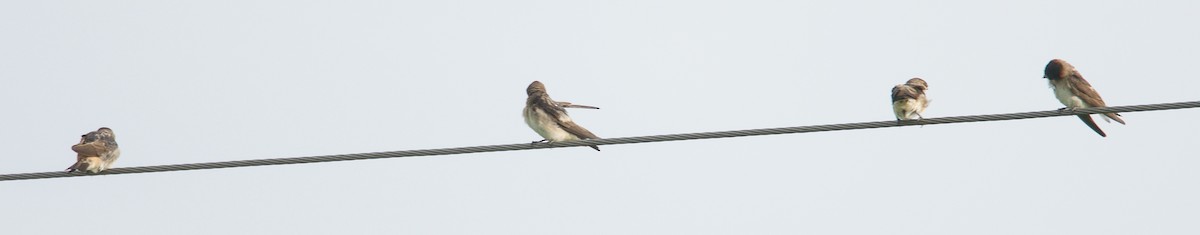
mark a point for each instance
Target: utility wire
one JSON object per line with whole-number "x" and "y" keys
{"x": 610, "y": 141}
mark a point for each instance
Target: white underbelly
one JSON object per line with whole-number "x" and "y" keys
{"x": 909, "y": 108}
{"x": 1066, "y": 97}
{"x": 545, "y": 126}
{"x": 111, "y": 158}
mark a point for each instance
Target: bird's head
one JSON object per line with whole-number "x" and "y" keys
{"x": 535, "y": 88}
{"x": 1058, "y": 69}
{"x": 918, "y": 83}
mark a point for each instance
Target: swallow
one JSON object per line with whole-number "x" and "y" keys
{"x": 1075, "y": 92}
{"x": 96, "y": 151}
{"x": 909, "y": 100}
{"x": 549, "y": 118}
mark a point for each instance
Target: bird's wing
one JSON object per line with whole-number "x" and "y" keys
{"x": 570, "y": 105}
{"x": 902, "y": 92}
{"x": 555, "y": 110}
{"x": 94, "y": 148}
{"x": 1084, "y": 90}
{"x": 576, "y": 130}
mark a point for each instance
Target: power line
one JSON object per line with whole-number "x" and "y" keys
{"x": 610, "y": 141}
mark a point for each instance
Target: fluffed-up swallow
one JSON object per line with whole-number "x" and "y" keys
{"x": 96, "y": 151}
{"x": 1073, "y": 91}
{"x": 549, "y": 118}
{"x": 908, "y": 99}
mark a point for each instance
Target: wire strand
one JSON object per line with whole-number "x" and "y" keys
{"x": 609, "y": 141}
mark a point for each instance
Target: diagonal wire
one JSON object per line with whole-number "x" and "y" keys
{"x": 609, "y": 141}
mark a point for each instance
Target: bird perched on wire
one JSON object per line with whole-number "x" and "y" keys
{"x": 96, "y": 151}
{"x": 1073, "y": 91}
{"x": 908, "y": 99}
{"x": 549, "y": 118}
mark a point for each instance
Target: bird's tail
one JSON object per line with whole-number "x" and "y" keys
{"x": 78, "y": 166}
{"x": 1087, "y": 119}
{"x": 1114, "y": 117}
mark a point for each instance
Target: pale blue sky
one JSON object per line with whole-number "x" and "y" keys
{"x": 203, "y": 81}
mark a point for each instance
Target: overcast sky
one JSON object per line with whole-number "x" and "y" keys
{"x": 203, "y": 81}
